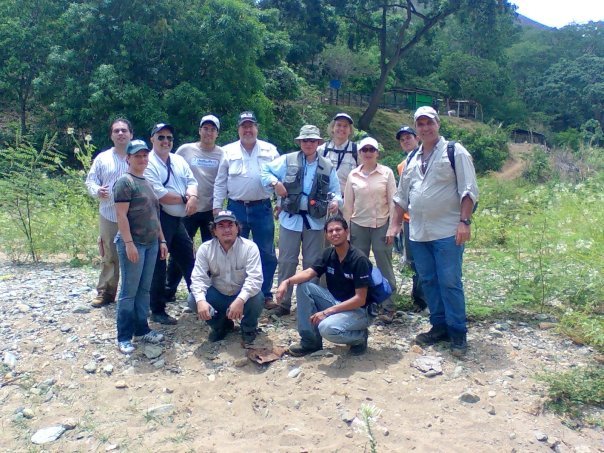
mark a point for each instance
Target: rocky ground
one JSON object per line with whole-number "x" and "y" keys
{"x": 63, "y": 378}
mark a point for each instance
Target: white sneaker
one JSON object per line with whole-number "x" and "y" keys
{"x": 152, "y": 337}
{"x": 125, "y": 347}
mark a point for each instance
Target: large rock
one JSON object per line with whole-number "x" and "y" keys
{"x": 46, "y": 435}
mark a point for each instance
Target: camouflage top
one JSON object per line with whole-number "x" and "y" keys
{"x": 143, "y": 212}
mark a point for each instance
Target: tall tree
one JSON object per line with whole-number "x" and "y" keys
{"x": 399, "y": 26}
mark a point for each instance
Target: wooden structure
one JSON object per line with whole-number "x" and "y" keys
{"x": 528, "y": 136}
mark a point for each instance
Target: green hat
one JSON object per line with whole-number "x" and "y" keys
{"x": 135, "y": 146}
{"x": 309, "y": 131}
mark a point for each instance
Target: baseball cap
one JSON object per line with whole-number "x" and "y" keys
{"x": 368, "y": 141}
{"x": 159, "y": 126}
{"x": 210, "y": 119}
{"x": 225, "y": 215}
{"x": 309, "y": 131}
{"x": 135, "y": 146}
{"x": 341, "y": 115}
{"x": 247, "y": 116}
{"x": 426, "y": 111}
{"x": 405, "y": 130}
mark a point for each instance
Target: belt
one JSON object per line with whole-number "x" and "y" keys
{"x": 252, "y": 202}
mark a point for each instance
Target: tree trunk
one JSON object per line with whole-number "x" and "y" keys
{"x": 374, "y": 101}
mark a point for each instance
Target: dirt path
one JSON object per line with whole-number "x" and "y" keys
{"x": 515, "y": 165}
{"x": 202, "y": 397}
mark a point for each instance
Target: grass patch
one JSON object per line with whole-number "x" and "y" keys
{"x": 575, "y": 393}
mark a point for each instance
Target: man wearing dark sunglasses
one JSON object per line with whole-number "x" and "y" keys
{"x": 304, "y": 180}
{"x": 176, "y": 188}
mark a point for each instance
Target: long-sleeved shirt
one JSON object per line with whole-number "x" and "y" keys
{"x": 106, "y": 169}
{"x": 181, "y": 177}
{"x": 368, "y": 199}
{"x": 204, "y": 165}
{"x": 433, "y": 199}
{"x": 239, "y": 173}
{"x": 237, "y": 271}
{"x": 276, "y": 170}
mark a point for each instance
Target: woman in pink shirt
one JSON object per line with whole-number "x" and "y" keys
{"x": 369, "y": 208}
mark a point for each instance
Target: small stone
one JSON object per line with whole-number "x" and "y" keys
{"x": 10, "y": 360}
{"x": 90, "y": 367}
{"x": 111, "y": 447}
{"x": 492, "y": 394}
{"x": 386, "y": 431}
{"x": 512, "y": 436}
{"x": 70, "y": 423}
{"x": 294, "y": 373}
{"x": 160, "y": 363}
{"x": 241, "y": 362}
{"x": 349, "y": 434}
{"x": 23, "y": 308}
{"x": 547, "y": 325}
{"x": 491, "y": 409}
{"x": 416, "y": 349}
{"x": 457, "y": 371}
{"x": 152, "y": 351}
{"x": 168, "y": 390}
{"x": 495, "y": 333}
{"x": 347, "y": 416}
{"x": 46, "y": 435}
{"x": 469, "y": 397}
{"x": 121, "y": 385}
{"x": 163, "y": 409}
{"x": 65, "y": 329}
{"x": 108, "y": 369}
{"x": 321, "y": 353}
{"x": 28, "y": 413}
{"x": 81, "y": 309}
{"x": 211, "y": 377}
{"x": 540, "y": 436}
{"x": 508, "y": 373}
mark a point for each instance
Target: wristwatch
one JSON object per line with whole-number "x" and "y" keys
{"x": 466, "y": 221}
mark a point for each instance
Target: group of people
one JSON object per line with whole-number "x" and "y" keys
{"x": 334, "y": 203}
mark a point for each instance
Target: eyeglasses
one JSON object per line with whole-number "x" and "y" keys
{"x": 161, "y": 138}
{"x": 309, "y": 140}
{"x": 117, "y": 131}
{"x": 368, "y": 150}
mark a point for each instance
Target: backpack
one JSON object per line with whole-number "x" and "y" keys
{"x": 450, "y": 155}
{"x": 379, "y": 290}
{"x": 354, "y": 152}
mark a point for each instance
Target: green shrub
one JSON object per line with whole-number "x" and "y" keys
{"x": 538, "y": 169}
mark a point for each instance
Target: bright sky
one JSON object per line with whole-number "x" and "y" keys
{"x": 558, "y": 13}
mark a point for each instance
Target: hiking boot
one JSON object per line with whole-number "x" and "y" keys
{"x": 125, "y": 347}
{"x": 102, "y": 299}
{"x": 219, "y": 334}
{"x": 280, "y": 311}
{"x": 459, "y": 344}
{"x": 387, "y": 316}
{"x": 153, "y": 336}
{"x": 297, "y": 350}
{"x": 418, "y": 306}
{"x": 163, "y": 318}
{"x": 269, "y": 304}
{"x": 358, "y": 349}
{"x": 433, "y": 336}
{"x": 248, "y": 337}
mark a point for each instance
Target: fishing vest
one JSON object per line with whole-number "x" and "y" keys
{"x": 318, "y": 198}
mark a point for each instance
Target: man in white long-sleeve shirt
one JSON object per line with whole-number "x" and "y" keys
{"x": 107, "y": 168}
{"x": 227, "y": 280}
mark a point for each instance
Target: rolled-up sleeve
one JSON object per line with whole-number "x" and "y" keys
{"x": 253, "y": 279}
{"x": 273, "y": 171}
{"x": 466, "y": 174}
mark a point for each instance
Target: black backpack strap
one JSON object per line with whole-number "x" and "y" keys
{"x": 169, "y": 171}
{"x": 451, "y": 154}
{"x": 355, "y": 153}
{"x": 410, "y": 156}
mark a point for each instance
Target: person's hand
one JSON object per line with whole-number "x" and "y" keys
{"x": 390, "y": 235}
{"x": 103, "y": 192}
{"x": 463, "y": 233}
{"x": 163, "y": 250}
{"x": 333, "y": 207}
{"x": 281, "y": 290}
{"x": 280, "y": 190}
{"x": 203, "y": 310}
{"x": 191, "y": 206}
{"x": 318, "y": 317}
{"x": 132, "y": 252}
{"x": 235, "y": 311}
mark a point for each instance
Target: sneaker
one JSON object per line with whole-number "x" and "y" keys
{"x": 153, "y": 336}
{"x": 125, "y": 347}
{"x": 163, "y": 318}
{"x": 280, "y": 311}
{"x": 297, "y": 350}
{"x": 248, "y": 337}
{"x": 387, "y": 316}
{"x": 459, "y": 345}
{"x": 433, "y": 336}
{"x": 358, "y": 349}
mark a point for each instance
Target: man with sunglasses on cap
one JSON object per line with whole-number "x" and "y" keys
{"x": 407, "y": 138}
{"x": 203, "y": 157}
{"x": 309, "y": 189}
{"x": 176, "y": 189}
{"x": 238, "y": 180}
{"x": 439, "y": 195}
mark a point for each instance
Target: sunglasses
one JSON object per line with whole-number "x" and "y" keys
{"x": 309, "y": 140}
{"x": 161, "y": 138}
{"x": 368, "y": 150}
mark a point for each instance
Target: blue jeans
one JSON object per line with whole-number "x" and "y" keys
{"x": 258, "y": 218}
{"x": 417, "y": 293}
{"x": 347, "y": 327}
{"x": 133, "y": 302}
{"x": 438, "y": 265}
{"x": 221, "y": 302}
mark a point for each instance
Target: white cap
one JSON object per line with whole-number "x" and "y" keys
{"x": 426, "y": 110}
{"x": 346, "y": 116}
{"x": 210, "y": 119}
{"x": 368, "y": 141}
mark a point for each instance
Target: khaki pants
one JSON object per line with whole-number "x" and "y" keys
{"x": 110, "y": 267}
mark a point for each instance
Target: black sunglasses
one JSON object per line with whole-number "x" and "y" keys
{"x": 309, "y": 140}
{"x": 161, "y": 138}
{"x": 368, "y": 150}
